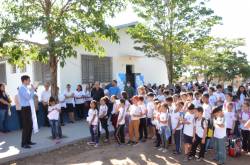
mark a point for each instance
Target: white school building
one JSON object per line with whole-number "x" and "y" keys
{"x": 122, "y": 62}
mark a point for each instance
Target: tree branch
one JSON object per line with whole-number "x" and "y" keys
{"x": 30, "y": 42}
{"x": 65, "y": 7}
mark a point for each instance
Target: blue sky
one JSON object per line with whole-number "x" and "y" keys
{"x": 235, "y": 14}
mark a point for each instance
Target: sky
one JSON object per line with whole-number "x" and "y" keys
{"x": 235, "y": 14}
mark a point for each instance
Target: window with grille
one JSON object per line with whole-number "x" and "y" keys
{"x": 96, "y": 68}
{"x": 3, "y": 78}
{"x": 13, "y": 68}
{"x": 41, "y": 72}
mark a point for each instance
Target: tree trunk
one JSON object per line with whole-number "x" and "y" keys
{"x": 53, "y": 73}
{"x": 169, "y": 66}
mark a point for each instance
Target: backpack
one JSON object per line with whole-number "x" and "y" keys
{"x": 235, "y": 146}
{"x": 202, "y": 122}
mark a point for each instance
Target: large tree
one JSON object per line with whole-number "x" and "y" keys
{"x": 62, "y": 24}
{"x": 169, "y": 26}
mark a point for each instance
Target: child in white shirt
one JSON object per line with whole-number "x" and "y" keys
{"x": 245, "y": 132}
{"x": 53, "y": 116}
{"x": 93, "y": 123}
{"x": 150, "y": 108}
{"x": 219, "y": 135}
{"x": 164, "y": 126}
{"x": 120, "y": 136}
{"x": 176, "y": 125}
{"x": 143, "y": 120}
{"x": 230, "y": 119}
{"x": 103, "y": 116}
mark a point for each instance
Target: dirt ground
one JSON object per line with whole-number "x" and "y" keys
{"x": 110, "y": 154}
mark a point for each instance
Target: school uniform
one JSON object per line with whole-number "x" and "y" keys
{"x": 143, "y": 123}
{"x": 150, "y": 108}
{"x": 200, "y": 126}
{"x": 188, "y": 128}
{"x": 70, "y": 104}
{"x": 103, "y": 111}
{"x": 45, "y": 96}
{"x": 54, "y": 120}
{"x": 164, "y": 128}
{"x": 62, "y": 102}
{"x": 175, "y": 119}
{"x": 114, "y": 114}
{"x": 245, "y": 132}
{"x": 219, "y": 139}
{"x": 79, "y": 103}
{"x": 120, "y": 136}
{"x": 93, "y": 124}
{"x": 229, "y": 119}
{"x": 156, "y": 124}
{"x": 134, "y": 124}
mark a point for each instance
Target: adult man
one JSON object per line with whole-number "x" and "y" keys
{"x": 25, "y": 95}
{"x": 114, "y": 90}
{"x": 129, "y": 89}
{"x": 97, "y": 92}
{"x": 45, "y": 101}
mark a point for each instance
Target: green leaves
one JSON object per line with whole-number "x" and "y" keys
{"x": 170, "y": 28}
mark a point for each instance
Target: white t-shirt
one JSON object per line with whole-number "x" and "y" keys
{"x": 164, "y": 118}
{"x": 220, "y": 96}
{"x": 198, "y": 128}
{"x": 189, "y": 128}
{"x": 175, "y": 118}
{"x": 61, "y": 99}
{"x": 103, "y": 110}
{"x": 79, "y": 94}
{"x": 150, "y": 108}
{"x": 69, "y": 100}
{"x": 121, "y": 116}
{"x": 245, "y": 117}
{"x": 197, "y": 103}
{"x": 143, "y": 110}
{"x": 134, "y": 110}
{"x": 219, "y": 132}
{"x": 212, "y": 100}
{"x": 53, "y": 112}
{"x": 207, "y": 111}
{"x": 115, "y": 106}
{"x": 161, "y": 98}
{"x": 92, "y": 114}
{"x": 230, "y": 118}
{"x": 45, "y": 96}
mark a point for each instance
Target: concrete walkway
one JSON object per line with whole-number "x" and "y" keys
{"x": 10, "y": 148}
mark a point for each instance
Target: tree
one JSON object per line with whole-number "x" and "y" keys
{"x": 218, "y": 58}
{"x": 63, "y": 25}
{"x": 169, "y": 27}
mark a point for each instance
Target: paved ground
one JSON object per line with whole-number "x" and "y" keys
{"x": 10, "y": 143}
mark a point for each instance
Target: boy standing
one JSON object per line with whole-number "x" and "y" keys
{"x": 200, "y": 131}
{"x": 219, "y": 135}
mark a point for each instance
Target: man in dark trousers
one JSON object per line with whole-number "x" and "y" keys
{"x": 25, "y": 95}
{"x": 97, "y": 92}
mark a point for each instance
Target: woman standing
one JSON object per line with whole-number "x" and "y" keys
{"x": 69, "y": 99}
{"x": 4, "y": 106}
{"x": 79, "y": 101}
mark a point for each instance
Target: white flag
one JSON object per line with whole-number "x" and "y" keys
{"x": 33, "y": 113}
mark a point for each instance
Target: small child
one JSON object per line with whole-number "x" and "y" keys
{"x": 245, "y": 132}
{"x": 164, "y": 128}
{"x": 177, "y": 126}
{"x": 230, "y": 118}
{"x": 155, "y": 122}
{"x": 219, "y": 135}
{"x": 200, "y": 131}
{"x": 143, "y": 120}
{"x": 103, "y": 116}
{"x": 150, "y": 108}
{"x": 93, "y": 123}
{"x": 188, "y": 130}
{"x": 120, "y": 136}
{"x": 53, "y": 116}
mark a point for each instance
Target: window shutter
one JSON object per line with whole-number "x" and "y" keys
{"x": 3, "y": 78}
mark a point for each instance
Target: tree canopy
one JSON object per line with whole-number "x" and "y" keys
{"x": 63, "y": 25}
{"x": 169, "y": 27}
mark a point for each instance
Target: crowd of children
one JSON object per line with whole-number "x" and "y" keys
{"x": 203, "y": 118}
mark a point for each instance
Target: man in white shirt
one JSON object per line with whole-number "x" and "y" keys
{"x": 46, "y": 94}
